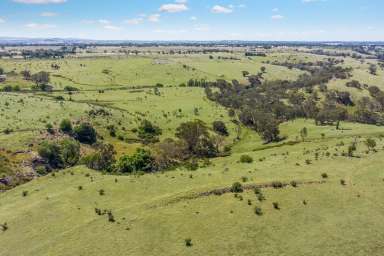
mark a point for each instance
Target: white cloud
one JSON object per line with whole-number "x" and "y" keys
{"x": 110, "y": 27}
{"x": 40, "y": 1}
{"x": 103, "y": 21}
{"x": 181, "y": 1}
{"x": 177, "y": 7}
{"x": 193, "y": 18}
{"x": 40, "y": 26}
{"x": 277, "y": 17}
{"x": 2, "y": 20}
{"x": 275, "y": 9}
{"x": 48, "y": 14}
{"x": 154, "y": 18}
{"x": 221, "y": 9}
{"x": 134, "y": 21}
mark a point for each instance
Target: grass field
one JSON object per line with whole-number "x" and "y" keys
{"x": 336, "y": 208}
{"x": 155, "y": 213}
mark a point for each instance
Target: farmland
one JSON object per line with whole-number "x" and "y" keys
{"x": 314, "y": 188}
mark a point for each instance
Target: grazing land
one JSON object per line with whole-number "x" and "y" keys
{"x": 193, "y": 151}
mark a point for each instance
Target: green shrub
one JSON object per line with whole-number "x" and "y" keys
{"x": 246, "y": 159}
{"x": 102, "y": 159}
{"x": 258, "y": 211}
{"x": 65, "y": 153}
{"x": 277, "y": 184}
{"x": 141, "y": 160}
{"x": 188, "y": 242}
{"x": 237, "y": 188}
{"x": 85, "y": 133}
{"x": 220, "y": 128}
{"x": 276, "y": 205}
{"x": 66, "y": 126}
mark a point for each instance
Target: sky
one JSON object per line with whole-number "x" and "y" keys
{"x": 290, "y": 20}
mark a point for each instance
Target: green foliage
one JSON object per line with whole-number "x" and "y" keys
{"x": 64, "y": 154}
{"x": 237, "y": 188}
{"x": 370, "y": 143}
{"x": 85, "y": 133}
{"x": 148, "y": 132}
{"x": 220, "y": 128}
{"x": 258, "y": 211}
{"x": 66, "y": 126}
{"x": 246, "y": 159}
{"x": 196, "y": 137}
{"x": 188, "y": 242}
{"x": 102, "y": 159}
{"x": 141, "y": 160}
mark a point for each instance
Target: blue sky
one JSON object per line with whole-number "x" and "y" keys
{"x": 194, "y": 19}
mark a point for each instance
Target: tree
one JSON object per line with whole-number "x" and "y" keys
{"x": 102, "y": 159}
{"x": 62, "y": 154}
{"x": 51, "y": 153}
{"x": 148, "y": 132}
{"x": 41, "y": 78}
{"x": 304, "y": 133}
{"x": 373, "y": 69}
{"x": 66, "y": 126}
{"x": 245, "y": 73}
{"x": 85, "y": 133}
{"x": 196, "y": 137}
{"x": 69, "y": 152}
{"x": 141, "y": 160}
{"x": 1, "y": 71}
{"x": 220, "y": 128}
{"x": 351, "y": 149}
{"x": 370, "y": 143}
{"x": 269, "y": 130}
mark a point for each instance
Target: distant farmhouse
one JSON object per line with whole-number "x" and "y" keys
{"x": 3, "y": 78}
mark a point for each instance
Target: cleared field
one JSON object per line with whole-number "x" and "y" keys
{"x": 335, "y": 209}
{"x": 155, "y": 213}
{"x": 96, "y": 73}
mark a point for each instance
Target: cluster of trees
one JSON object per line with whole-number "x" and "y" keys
{"x": 48, "y": 53}
{"x": 263, "y": 105}
{"x": 66, "y": 152}
{"x": 194, "y": 141}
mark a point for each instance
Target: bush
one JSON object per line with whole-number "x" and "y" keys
{"x": 69, "y": 152}
{"x": 294, "y": 184}
{"x": 66, "y": 153}
{"x": 277, "y": 184}
{"x": 188, "y": 242}
{"x": 85, "y": 133}
{"x": 237, "y": 188}
{"x": 102, "y": 159}
{"x": 148, "y": 132}
{"x": 258, "y": 211}
{"x": 66, "y": 126}
{"x": 246, "y": 159}
{"x": 50, "y": 129}
{"x": 276, "y": 205}
{"x": 220, "y": 128}
{"x": 142, "y": 160}
{"x": 24, "y": 193}
{"x": 324, "y": 175}
{"x": 4, "y": 227}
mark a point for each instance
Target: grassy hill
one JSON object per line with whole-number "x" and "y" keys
{"x": 155, "y": 213}
{"x": 302, "y": 196}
